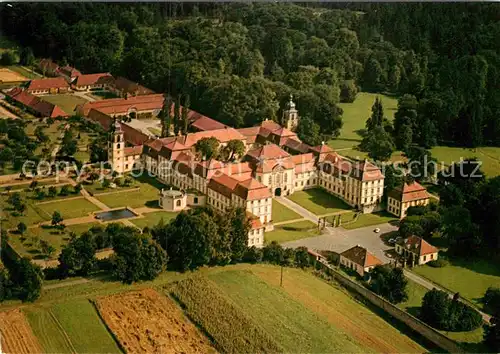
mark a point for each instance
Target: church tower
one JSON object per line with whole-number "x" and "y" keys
{"x": 116, "y": 148}
{"x": 290, "y": 115}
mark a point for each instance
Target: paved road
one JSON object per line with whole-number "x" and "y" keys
{"x": 339, "y": 239}
{"x": 429, "y": 285}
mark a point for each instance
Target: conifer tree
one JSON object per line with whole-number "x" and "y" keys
{"x": 377, "y": 117}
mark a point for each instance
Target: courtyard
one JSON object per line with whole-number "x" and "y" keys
{"x": 318, "y": 201}
{"x": 67, "y": 102}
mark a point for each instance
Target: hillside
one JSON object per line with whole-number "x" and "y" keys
{"x": 305, "y": 315}
{"x": 241, "y": 308}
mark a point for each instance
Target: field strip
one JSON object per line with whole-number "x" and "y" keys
{"x": 147, "y": 321}
{"x": 16, "y": 335}
{"x": 119, "y": 191}
{"x": 59, "y": 200}
{"x": 66, "y": 337}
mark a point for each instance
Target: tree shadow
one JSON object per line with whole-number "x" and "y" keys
{"x": 34, "y": 251}
{"x": 414, "y": 311}
{"x": 478, "y": 265}
{"x": 152, "y": 204}
{"x": 386, "y": 236}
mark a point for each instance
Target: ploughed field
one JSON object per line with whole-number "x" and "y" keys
{"x": 147, "y": 322}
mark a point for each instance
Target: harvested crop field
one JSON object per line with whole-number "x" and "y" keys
{"x": 16, "y": 334}
{"x": 147, "y": 322}
{"x": 7, "y": 75}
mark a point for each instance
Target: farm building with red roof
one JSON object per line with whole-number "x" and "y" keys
{"x": 89, "y": 82}
{"x": 46, "y": 86}
{"x": 34, "y": 104}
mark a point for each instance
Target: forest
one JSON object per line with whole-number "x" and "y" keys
{"x": 238, "y": 63}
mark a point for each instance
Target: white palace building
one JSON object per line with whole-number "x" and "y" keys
{"x": 275, "y": 163}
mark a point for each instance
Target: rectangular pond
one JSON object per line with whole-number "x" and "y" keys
{"x": 115, "y": 214}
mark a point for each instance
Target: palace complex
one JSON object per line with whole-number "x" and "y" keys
{"x": 275, "y": 163}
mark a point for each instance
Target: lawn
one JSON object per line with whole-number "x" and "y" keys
{"x": 25, "y": 247}
{"x": 30, "y": 216}
{"x": 416, "y": 293}
{"x": 147, "y": 195}
{"x": 69, "y": 208}
{"x": 471, "y": 278}
{"x": 470, "y": 340}
{"x": 364, "y": 220}
{"x": 318, "y": 201}
{"x": 490, "y": 157}
{"x": 84, "y": 327}
{"x": 329, "y": 321}
{"x": 152, "y": 219}
{"x": 355, "y": 116}
{"x": 282, "y": 213}
{"x": 291, "y": 232}
{"x": 67, "y": 102}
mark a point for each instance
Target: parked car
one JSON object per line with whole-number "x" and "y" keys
{"x": 377, "y": 230}
{"x": 391, "y": 241}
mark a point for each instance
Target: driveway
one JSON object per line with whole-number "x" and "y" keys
{"x": 339, "y": 239}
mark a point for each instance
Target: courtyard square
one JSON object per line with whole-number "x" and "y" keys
{"x": 318, "y": 201}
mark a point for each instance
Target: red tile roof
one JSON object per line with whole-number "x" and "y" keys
{"x": 93, "y": 79}
{"x": 366, "y": 171}
{"x": 133, "y": 88}
{"x": 322, "y": 149}
{"x": 251, "y": 189}
{"x": 43, "y": 108}
{"x": 205, "y": 124}
{"x": 223, "y": 184}
{"x": 256, "y": 224}
{"x": 122, "y": 105}
{"x": 361, "y": 256}
{"x": 296, "y": 145}
{"x": 69, "y": 71}
{"x": 222, "y": 135}
{"x": 46, "y": 84}
{"x": 269, "y": 151}
{"x": 270, "y": 125}
{"x": 133, "y": 150}
{"x": 418, "y": 246}
{"x": 409, "y": 192}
